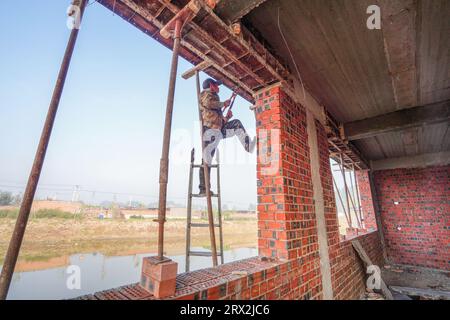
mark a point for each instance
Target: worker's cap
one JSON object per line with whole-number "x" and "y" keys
{"x": 208, "y": 82}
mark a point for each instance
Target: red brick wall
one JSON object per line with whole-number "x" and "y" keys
{"x": 365, "y": 194}
{"x": 286, "y": 217}
{"x": 347, "y": 272}
{"x": 289, "y": 266}
{"x": 246, "y": 280}
{"x": 285, "y": 208}
{"x": 417, "y": 229}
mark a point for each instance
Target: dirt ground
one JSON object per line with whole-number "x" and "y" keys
{"x": 50, "y": 242}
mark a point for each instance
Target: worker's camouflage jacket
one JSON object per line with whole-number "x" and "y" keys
{"x": 211, "y": 108}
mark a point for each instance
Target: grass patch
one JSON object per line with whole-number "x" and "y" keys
{"x": 41, "y": 214}
{"x": 12, "y": 214}
{"x": 41, "y": 257}
{"x": 137, "y": 217}
{"x": 54, "y": 213}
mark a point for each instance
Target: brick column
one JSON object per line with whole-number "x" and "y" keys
{"x": 365, "y": 194}
{"x": 286, "y": 219}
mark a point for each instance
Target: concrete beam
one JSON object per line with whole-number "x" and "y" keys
{"x": 419, "y": 161}
{"x": 233, "y": 10}
{"x": 398, "y": 120}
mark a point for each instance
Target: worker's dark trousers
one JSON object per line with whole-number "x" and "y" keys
{"x": 211, "y": 139}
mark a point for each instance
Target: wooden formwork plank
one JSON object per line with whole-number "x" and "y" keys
{"x": 367, "y": 262}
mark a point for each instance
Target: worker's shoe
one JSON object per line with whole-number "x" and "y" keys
{"x": 250, "y": 144}
{"x": 202, "y": 193}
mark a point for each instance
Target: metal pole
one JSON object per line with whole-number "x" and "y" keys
{"x": 33, "y": 179}
{"x": 358, "y": 200}
{"x": 164, "y": 164}
{"x": 341, "y": 166}
{"x": 207, "y": 181}
{"x": 340, "y": 199}
{"x": 189, "y": 213}
{"x": 219, "y": 209}
{"x": 352, "y": 195}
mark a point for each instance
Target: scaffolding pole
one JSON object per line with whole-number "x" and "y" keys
{"x": 340, "y": 199}
{"x": 33, "y": 179}
{"x": 164, "y": 164}
{"x": 348, "y": 194}
{"x": 358, "y": 199}
{"x": 341, "y": 166}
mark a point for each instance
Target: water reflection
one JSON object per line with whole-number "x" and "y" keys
{"x": 99, "y": 273}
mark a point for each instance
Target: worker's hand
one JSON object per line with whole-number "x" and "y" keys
{"x": 226, "y": 103}
{"x": 229, "y": 115}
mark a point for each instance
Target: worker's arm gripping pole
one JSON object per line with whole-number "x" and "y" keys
{"x": 164, "y": 166}
{"x": 33, "y": 179}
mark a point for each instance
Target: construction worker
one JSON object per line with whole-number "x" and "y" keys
{"x": 216, "y": 126}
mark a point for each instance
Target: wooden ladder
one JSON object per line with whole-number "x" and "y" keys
{"x": 190, "y": 224}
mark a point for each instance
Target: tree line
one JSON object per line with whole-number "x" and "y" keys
{"x": 9, "y": 199}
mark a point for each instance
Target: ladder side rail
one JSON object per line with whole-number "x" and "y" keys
{"x": 207, "y": 180}
{"x": 189, "y": 213}
{"x": 219, "y": 208}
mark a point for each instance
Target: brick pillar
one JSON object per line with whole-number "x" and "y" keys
{"x": 286, "y": 220}
{"x": 159, "y": 277}
{"x": 365, "y": 194}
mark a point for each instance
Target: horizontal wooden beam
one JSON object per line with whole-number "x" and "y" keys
{"x": 419, "y": 161}
{"x": 215, "y": 45}
{"x": 144, "y": 13}
{"x": 398, "y": 120}
{"x": 184, "y": 15}
{"x": 276, "y": 70}
{"x": 200, "y": 67}
{"x": 367, "y": 262}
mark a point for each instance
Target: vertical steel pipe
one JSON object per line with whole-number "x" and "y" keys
{"x": 353, "y": 198}
{"x": 164, "y": 164}
{"x": 33, "y": 179}
{"x": 341, "y": 165}
{"x": 358, "y": 200}
{"x": 189, "y": 212}
{"x": 342, "y": 203}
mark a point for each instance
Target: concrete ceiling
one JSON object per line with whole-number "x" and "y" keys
{"x": 359, "y": 73}
{"x": 389, "y": 88}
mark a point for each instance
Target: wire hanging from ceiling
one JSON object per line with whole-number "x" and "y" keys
{"x": 292, "y": 56}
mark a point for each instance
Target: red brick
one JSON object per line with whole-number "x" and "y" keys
{"x": 159, "y": 271}
{"x": 159, "y": 278}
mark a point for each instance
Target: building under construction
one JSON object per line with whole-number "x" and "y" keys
{"x": 364, "y": 83}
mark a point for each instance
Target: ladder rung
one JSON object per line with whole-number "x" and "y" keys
{"x": 203, "y": 225}
{"x": 202, "y": 253}
{"x": 195, "y": 195}
{"x": 200, "y": 166}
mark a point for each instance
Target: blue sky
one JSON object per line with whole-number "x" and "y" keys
{"x": 108, "y": 131}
